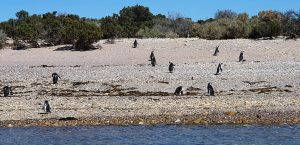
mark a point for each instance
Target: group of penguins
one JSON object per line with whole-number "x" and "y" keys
{"x": 46, "y": 107}
{"x": 179, "y": 90}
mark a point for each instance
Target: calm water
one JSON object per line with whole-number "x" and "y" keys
{"x": 221, "y": 134}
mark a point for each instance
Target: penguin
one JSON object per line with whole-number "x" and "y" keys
{"x": 216, "y": 51}
{"x": 135, "y": 44}
{"x": 179, "y": 91}
{"x": 210, "y": 90}
{"x": 171, "y": 67}
{"x": 219, "y": 69}
{"x": 7, "y": 91}
{"x": 47, "y": 107}
{"x": 55, "y": 77}
{"x": 241, "y": 57}
{"x": 152, "y": 55}
{"x": 153, "y": 62}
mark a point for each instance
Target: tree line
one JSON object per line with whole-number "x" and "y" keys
{"x": 137, "y": 21}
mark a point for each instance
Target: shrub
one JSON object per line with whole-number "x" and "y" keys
{"x": 180, "y": 25}
{"x": 234, "y": 28}
{"x": 22, "y": 15}
{"x": 110, "y": 27}
{"x": 210, "y": 30}
{"x": 150, "y": 33}
{"x": 133, "y": 18}
{"x": 183, "y": 27}
{"x": 132, "y": 21}
{"x": 290, "y": 21}
{"x": 19, "y": 44}
{"x": 8, "y": 27}
{"x": 87, "y": 35}
{"x": 267, "y": 24}
{"x": 163, "y": 25}
{"x": 27, "y": 32}
{"x": 171, "y": 34}
{"x": 110, "y": 41}
{"x": 225, "y": 14}
{"x": 2, "y": 38}
{"x": 53, "y": 28}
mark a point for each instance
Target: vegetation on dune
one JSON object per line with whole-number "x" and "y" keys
{"x": 52, "y": 29}
{"x": 137, "y": 21}
{"x": 2, "y": 38}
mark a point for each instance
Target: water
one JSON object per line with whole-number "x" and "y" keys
{"x": 161, "y": 134}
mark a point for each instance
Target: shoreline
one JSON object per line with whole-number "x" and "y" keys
{"x": 225, "y": 118}
{"x": 116, "y": 84}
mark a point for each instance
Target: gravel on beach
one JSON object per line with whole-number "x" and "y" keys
{"x": 117, "y": 85}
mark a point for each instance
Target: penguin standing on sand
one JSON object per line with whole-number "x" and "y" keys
{"x": 55, "y": 77}
{"x": 135, "y": 44}
{"x": 216, "y": 51}
{"x": 210, "y": 90}
{"x": 152, "y": 55}
{"x": 152, "y": 59}
{"x": 47, "y": 107}
{"x": 171, "y": 67}
{"x": 7, "y": 91}
{"x": 179, "y": 91}
{"x": 241, "y": 57}
{"x": 219, "y": 69}
{"x": 153, "y": 62}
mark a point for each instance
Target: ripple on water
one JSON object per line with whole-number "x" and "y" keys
{"x": 160, "y": 134}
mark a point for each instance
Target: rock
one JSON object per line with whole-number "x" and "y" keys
{"x": 67, "y": 118}
{"x": 177, "y": 121}
{"x": 230, "y": 113}
{"x": 95, "y": 105}
{"x": 288, "y": 86}
{"x": 141, "y": 123}
{"x": 205, "y": 113}
{"x": 258, "y": 116}
{"x": 200, "y": 121}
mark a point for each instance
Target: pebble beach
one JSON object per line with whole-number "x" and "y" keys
{"x": 116, "y": 85}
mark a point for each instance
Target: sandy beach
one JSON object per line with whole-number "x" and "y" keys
{"x": 116, "y": 85}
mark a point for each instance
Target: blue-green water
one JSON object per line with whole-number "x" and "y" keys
{"x": 161, "y": 134}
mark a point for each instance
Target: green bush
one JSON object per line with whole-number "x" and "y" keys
{"x": 87, "y": 35}
{"x": 210, "y": 30}
{"x": 234, "y": 29}
{"x": 150, "y": 33}
{"x": 138, "y": 21}
{"x": 163, "y": 25}
{"x": 133, "y": 18}
{"x": 290, "y": 21}
{"x": 225, "y": 14}
{"x": 110, "y": 27}
{"x": 2, "y": 38}
{"x": 20, "y": 44}
{"x": 228, "y": 25}
{"x": 267, "y": 24}
{"x": 28, "y": 33}
{"x": 53, "y": 28}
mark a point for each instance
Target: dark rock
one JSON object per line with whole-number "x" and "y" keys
{"x": 67, "y": 119}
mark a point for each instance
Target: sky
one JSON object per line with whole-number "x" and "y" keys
{"x": 195, "y": 9}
